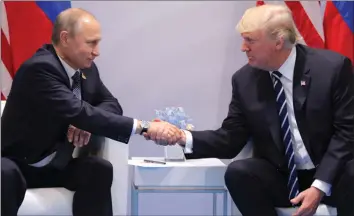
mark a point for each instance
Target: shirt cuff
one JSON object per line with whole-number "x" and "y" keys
{"x": 134, "y": 127}
{"x": 189, "y": 142}
{"x": 323, "y": 186}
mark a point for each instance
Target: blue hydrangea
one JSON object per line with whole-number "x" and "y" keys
{"x": 175, "y": 116}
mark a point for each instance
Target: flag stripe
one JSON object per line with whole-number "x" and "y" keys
{"x": 52, "y": 9}
{"x": 4, "y": 25}
{"x": 304, "y": 25}
{"x": 313, "y": 10}
{"x": 346, "y": 9}
{"x": 6, "y": 55}
{"x": 6, "y": 80}
{"x": 28, "y": 33}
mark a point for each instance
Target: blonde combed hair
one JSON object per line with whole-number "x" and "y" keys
{"x": 276, "y": 20}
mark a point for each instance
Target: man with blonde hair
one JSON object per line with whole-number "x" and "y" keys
{"x": 296, "y": 105}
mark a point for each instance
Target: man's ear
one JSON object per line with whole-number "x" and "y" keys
{"x": 64, "y": 38}
{"x": 279, "y": 43}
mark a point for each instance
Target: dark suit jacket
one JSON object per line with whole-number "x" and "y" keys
{"x": 324, "y": 111}
{"x": 41, "y": 106}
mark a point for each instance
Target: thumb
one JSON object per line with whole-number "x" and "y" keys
{"x": 70, "y": 133}
{"x": 146, "y": 136}
{"x": 298, "y": 198}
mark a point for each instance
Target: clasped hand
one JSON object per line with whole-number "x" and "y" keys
{"x": 78, "y": 137}
{"x": 163, "y": 133}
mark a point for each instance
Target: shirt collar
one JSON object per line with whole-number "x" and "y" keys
{"x": 69, "y": 70}
{"x": 287, "y": 68}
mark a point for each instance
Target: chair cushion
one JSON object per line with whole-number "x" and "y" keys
{"x": 322, "y": 210}
{"x": 47, "y": 201}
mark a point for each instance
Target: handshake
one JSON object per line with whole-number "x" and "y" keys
{"x": 161, "y": 132}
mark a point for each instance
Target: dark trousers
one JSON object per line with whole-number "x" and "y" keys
{"x": 91, "y": 179}
{"x": 257, "y": 187}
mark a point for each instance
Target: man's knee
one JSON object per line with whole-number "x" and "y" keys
{"x": 350, "y": 169}
{"x": 13, "y": 184}
{"x": 11, "y": 174}
{"x": 349, "y": 175}
{"x": 236, "y": 172}
{"x": 102, "y": 170}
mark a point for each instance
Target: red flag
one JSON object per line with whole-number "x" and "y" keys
{"x": 25, "y": 27}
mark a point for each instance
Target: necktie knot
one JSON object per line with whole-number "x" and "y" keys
{"x": 277, "y": 74}
{"x": 76, "y": 77}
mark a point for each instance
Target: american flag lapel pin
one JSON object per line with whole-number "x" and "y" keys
{"x": 83, "y": 76}
{"x": 303, "y": 83}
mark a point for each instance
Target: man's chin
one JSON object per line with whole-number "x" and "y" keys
{"x": 87, "y": 65}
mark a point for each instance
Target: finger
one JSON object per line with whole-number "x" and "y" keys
{"x": 70, "y": 134}
{"x": 82, "y": 138}
{"x": 76, "y": 136}
{"x": 166, "y": 136}
{"x": 298, "y": 198}
{"x": 177, "y": 137}
{"x": 302, "y": 211}
{"x": 173, "y": 139}
{"x": 159, "y": 132}
{"x": 87, "y": 137}
{"x": 152, "y": 133}
{"x": 146, "y": 136}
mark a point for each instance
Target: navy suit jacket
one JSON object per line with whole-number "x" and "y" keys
{"x": 41, "y": 106}
{"x": 324, "y": 112}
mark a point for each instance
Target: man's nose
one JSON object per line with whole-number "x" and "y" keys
{"x": 95, "y": 51}
{"x": 244, "y": 47}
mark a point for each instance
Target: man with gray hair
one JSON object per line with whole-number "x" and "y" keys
{"x": 56, "y": 101}
{"x": 296, "y": 105}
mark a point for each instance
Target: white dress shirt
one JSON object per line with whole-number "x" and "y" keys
{"x": 301, "y": 156}
{"x": 70, "y": 72}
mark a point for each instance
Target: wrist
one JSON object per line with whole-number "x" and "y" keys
{"x": 182, "y": 141}
{"x": 138, "y": 127}
{"x": 319, "y": 191}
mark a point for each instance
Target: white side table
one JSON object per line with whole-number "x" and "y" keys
{"x": 192, "y": 176}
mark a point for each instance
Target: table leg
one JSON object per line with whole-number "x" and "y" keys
{"x": 214, "y": 203}
{"x": 134, "y": 201}
{"x": 225, "y": 203}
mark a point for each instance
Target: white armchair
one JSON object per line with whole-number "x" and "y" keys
{"x": 58, "y": 201}
{"x": 322, "y": 210}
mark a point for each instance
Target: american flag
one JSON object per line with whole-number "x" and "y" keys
{"x": 26, "y": 25}
{"x": 324, "y": 24}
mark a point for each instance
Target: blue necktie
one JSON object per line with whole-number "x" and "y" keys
{"x": 293, "y": 184}
{"x": 76, "y": 86}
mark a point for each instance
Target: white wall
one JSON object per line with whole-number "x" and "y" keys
{"x": 169, "y": 53}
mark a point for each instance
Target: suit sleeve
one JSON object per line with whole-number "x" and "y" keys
{"x": 341, "y": 145}
{"x": 105, "y": 98}
{"x": 227, "y": 141}
{"x": 49, "y": 93}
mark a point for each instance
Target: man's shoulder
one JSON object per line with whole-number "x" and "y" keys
{"x": 243, "y": 74}
{"x": 42, "y": 58}
{"x": 324, "y": 58}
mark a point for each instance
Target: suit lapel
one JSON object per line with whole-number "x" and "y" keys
{"x": 267, "y": 96}
{"x": 51, "y": 49}
{"x": 301, "y": 80}
{"x": 301, "y": 86}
